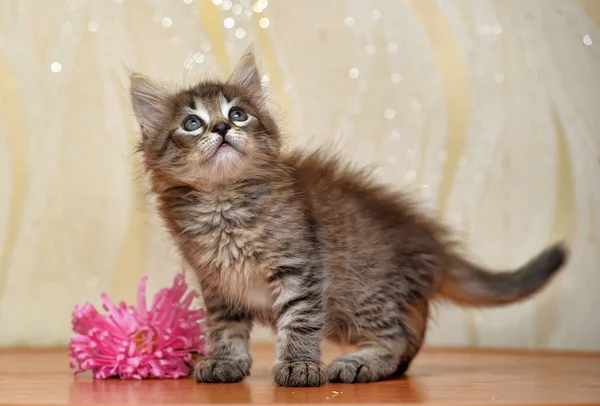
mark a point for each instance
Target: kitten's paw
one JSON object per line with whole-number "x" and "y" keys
{"x": 352, "y": 371}
{"x": 300, "y": 374}
{"x": 221, "y": 371}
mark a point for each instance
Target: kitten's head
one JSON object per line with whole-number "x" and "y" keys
{"x": 214, "y": 132}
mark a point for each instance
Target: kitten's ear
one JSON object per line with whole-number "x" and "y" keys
{"x": 246, "y": 74}
{"x": 149, "y": 103}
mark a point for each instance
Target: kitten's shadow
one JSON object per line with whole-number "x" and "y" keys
{"x": 185, "y": 391}
{"x": 395, "y": 390}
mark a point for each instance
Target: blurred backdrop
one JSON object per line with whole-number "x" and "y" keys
{"x": 486, "y": 111}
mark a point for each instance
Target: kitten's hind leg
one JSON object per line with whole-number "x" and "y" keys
{"x": 386, "y": 347}
{"x": 370, "y": 363}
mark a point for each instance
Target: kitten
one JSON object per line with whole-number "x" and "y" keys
{"x": 300, "y": 242}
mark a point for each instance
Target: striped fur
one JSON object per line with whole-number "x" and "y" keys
{"x": 300, "y": 242}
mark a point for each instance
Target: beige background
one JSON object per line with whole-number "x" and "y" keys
{"x": 487, "y": 111}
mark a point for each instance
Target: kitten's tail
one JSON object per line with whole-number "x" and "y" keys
{"x": 471, "y": 285}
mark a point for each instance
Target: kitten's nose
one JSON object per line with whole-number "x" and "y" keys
{"x": 221, "y": 128}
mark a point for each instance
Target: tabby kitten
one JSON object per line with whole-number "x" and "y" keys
{"x": 298, "y": 241}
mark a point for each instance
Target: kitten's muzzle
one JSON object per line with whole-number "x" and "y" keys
{"x": 221, "y": 128}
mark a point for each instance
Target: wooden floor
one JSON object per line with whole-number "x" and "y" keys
{"x": 438, "y": 377}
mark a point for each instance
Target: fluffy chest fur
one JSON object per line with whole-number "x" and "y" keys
{"x": 223, "y": 235}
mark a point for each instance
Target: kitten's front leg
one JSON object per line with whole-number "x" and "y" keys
{"x": 300, "y": 321}
{"x": 229, "y": 332}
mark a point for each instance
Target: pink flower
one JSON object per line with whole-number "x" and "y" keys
{"x": 139, "y": 343}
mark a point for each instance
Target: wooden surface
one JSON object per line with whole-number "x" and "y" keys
{"x": 438, "y": 377}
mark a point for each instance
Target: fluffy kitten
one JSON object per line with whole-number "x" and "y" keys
{"x": 298, "y": 241}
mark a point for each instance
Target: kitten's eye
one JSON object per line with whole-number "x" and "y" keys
{"x": 237, "y": 114}
{"x": 192, "y": 123}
